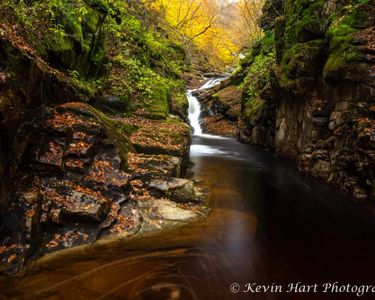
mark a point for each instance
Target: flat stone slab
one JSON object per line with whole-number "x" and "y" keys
{"x": 177, "y": 189}
{"x": 170, "y": 211}
{"x": 148, "y": 165}
{"x": 84, "y": 208}
{"x": 172, "y": 136}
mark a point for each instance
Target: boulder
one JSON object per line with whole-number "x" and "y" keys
{"x": 177, "y": 189}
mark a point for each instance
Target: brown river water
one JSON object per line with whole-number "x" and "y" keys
{"x": 269, "y": 225}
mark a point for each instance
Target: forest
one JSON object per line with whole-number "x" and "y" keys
{"x": 187, "y": 149}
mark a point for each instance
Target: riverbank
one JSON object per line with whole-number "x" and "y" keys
{"x": 83, "y": 194}
{"x": 257, "y": 200}
{"x": 90, "y": 148}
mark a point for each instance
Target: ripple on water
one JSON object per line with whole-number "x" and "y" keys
{"x": 199, "y": 150}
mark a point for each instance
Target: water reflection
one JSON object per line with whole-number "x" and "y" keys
{"x": 269, "y": 224}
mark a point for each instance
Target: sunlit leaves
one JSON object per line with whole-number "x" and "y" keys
{"x": 219, "y": 28}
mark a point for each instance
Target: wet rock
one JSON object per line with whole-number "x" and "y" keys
{"x": 27, "y": 85}
{"x": 261, "y": 136}
{"x": 50, "y": 156}
{"x": 80, "y": 148}
{"x": 77, "y": 175}
{"x": 128, "y": 221}
{"x": 76, "y": 165}
{"x": 172, "y": 138}
{"x": 330, "y": 7}
{"x": 337, "y": 118}
{"x": 221, "y": 109}
{"x": 83, "y": 208}
{"x": 220, "y": 125}
{"x": 320, "y": 121}
{"x": 320, "y": 92}
{"x": 170, "y": 211}
{"x": 322, "y": 169}
{"x": 106, "y": 170}
{"x": 177, "y": 189}
{"x": 66, "y": 238}
{"x": 343, "y": 106}
{"x": 73, "y": 202}
{"x": 85, "y": 186}
{"x": 75, "y": 160}
{"x": 30, "y": 195}
{"x": 151, "y": 165}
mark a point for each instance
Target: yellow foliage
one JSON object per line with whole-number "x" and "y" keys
{"x": 219, "y": 28}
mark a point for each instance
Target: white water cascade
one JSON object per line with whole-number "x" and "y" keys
{"x": 195, "y": 107}
{"x": 194, "y": 113}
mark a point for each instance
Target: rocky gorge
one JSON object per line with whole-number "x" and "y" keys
{"x": 307, "y": 91}
{"x": 95, "y": 140}
{"x": 82, "y": 161}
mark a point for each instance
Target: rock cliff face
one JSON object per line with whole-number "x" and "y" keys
{"x": 317, "y": 102}
{"x": 308, "y": 89}
{"x": 27, "y": 85}
{"x": 80, "y": 159}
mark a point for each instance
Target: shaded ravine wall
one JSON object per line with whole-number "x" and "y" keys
{"x": 321, "y": 91}
{"x": 308, "y": 89}
{"x": 27, "y": 85}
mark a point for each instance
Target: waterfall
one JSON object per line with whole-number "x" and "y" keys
{"x": 194, "y": 113}
{"x": 195, "y": 107}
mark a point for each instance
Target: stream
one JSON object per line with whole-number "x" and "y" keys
{"x": 270, "y": 225}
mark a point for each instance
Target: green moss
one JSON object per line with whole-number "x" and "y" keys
{"x": 303, "y": 15}
{"x": 61, "y": 43}
{"x": 340, "y": 31}
{"x": 268, "y": 41}
{"x": 253, "y": 110}
{"x": 87, "y": 88}
{"x": 259, "y": 72}
{"x": 72, "y": 25}
{"x": 345, "y": 24}
{"x": 158, "y": 103}
{"x": 261, "y": 48}
{"x": 247, "y": 60}
{"x": 101, "y": 5}
{"x": 138, "y": 63}
{"x": 303, "y": 59}
{"x": 340, "y": 59}
{"x": 258, "y": 79}
{"x": 119, "y": 133}
{"x": 91, "y": 21}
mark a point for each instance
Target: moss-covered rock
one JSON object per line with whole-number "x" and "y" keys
{"x": 305, "y": 21}
{"x": 303, "y": 60}
{"x": 310, "y": 102}
{"x": 257, "y": 82}
{"x": 344, "y": 48}
{"x": 76, "y": 41}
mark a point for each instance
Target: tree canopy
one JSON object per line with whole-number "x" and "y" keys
{"x": 219, "y": 28}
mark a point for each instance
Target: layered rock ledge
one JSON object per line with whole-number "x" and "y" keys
{"x": 86, "y": 177}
